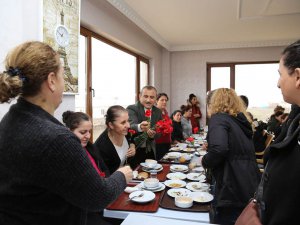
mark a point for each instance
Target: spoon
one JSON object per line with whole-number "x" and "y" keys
{"x": 137, "y": 196}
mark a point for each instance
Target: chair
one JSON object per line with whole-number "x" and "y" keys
{"x": 260, "y": 155}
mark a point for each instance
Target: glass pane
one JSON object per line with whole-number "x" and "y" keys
{"x": 220, "y": 77}
{"x": 80, "y": 99}
{"x": 113, "y": 79}
{"x": 259, "y": 83}
{"x": 143, "y": 74}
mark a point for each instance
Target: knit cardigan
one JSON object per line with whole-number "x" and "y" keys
{"x": 45, "y": 175}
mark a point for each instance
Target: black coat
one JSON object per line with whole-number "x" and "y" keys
{"x": 282, "y": 184}
{"x": 231, "y": 157}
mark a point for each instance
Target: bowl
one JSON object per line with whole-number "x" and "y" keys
{"x": 151, "y": 163}
{"x": 183, "y": 201}
{"x": 151, "y": 182}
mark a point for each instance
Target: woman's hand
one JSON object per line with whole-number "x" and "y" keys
{"x": 131, "y": 151}
{"x": 127, "y": 171}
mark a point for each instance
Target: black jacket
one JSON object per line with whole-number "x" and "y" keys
{"x": 282, "y": 184}
{"x": 177, "y": 131}
{"x": 231, "y": 157}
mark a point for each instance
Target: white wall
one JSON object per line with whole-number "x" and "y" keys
{"x": 188, "y": 70}
{"x": 22, "y": 21}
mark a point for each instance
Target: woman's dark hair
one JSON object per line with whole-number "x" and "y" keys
{"x": 291, "y": 56}
{"x": 191, "y": 96}
{"x": 245, "y": 100}
{"x": 185, "y": 108}
{"x": 73, "y": 119}
{"x": 113, "y": 112}
{"x": 162, "y": 94}
{"x": 278, "y": 113}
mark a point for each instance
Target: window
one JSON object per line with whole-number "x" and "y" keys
{"x": 114, "y": 76}
{"x": 257, "y": 81}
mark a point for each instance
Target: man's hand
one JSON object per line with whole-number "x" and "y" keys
{"x": 144, "y": 126}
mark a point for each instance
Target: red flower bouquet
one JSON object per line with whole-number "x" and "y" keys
{"x": 161, "y": 127}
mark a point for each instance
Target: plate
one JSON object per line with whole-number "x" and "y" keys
{"x": 196, "y": 177}
{"x": 189, "y": 150}
{"x": 202, "y": 152}
{"x": 147, "y": 197}
{"x": 198, "y": 169}
{"x": 201, "y": 197}
{"x": 160, "y": 187}
{"x": 175, "y": 183}
{"x": 176, "y": 176}
{"x": 173, "y": 155}
{"x": 175, "y": 149}
{"x": 197, "y": 186}
{"x": 157, "y": 166}
{"x": 175, "y": 192}
{"x": 179, "y": 168}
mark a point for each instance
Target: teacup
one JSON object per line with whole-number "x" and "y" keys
{"x": 151, "y": 182}
{"x": 151, "y": 163}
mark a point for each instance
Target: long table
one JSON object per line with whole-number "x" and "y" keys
{"x": 202, "y": 217}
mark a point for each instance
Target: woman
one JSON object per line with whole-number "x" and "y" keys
{"x": 112, "y": 143}
{"x": 274, "y": 124}
{"x": 163, "y": 143}
{"x": 196, "y": 113}
{"x": 186, "y": 121}
{"x": 81, "y": 125}
{"x": 46, "y": 178}
{"x": 230, "y": 155}
{"x": 177, "y": 136}
{"x": 281, "y": 184}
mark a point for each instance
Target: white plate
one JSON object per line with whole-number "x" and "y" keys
{"x": 175, "y": 192}
{"x": 147, "y": 197}
{"x": 149, "y": 170}
{"x": 197, "y": 186}
{"x": 202, "y": 152}
{"x": 175, "y": 183}
{"x": 201, "y": 197}
{"x": 176, "y": 176}
{"x": 160, "y": 187}
{"x": 173, "y": 155}
{"x": 157, "y": 166}
{"x": 179, "y": 168}
{"x": 196, "y": 177}
{"x": 198, "y": 169}
{"x": 175, "y": 149}
{"x": 189, "y": 150}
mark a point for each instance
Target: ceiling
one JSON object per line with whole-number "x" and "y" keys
{"x": 180, "y": 25}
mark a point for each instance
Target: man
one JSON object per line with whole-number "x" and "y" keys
{"x": 139, "y": 123}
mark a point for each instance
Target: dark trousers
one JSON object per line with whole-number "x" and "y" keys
{"x": 162, "y": 149}
{"x": 140, "y": 156}
{"x": 225, "y": 215}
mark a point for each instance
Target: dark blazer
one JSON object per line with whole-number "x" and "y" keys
{"x": 231, "y": 157}
{"x": 282, "y": 184}
{"x": 136, "y": 114}
{"x": 108, "y": 152}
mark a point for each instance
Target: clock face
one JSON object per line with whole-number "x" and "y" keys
{"x": 62, "y": 36}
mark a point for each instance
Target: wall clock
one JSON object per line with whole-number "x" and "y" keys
{"x": 62, "y": 36}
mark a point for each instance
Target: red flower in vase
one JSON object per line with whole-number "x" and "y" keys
{"x": 190, "y": 139}
{"x": 196, "y": 130}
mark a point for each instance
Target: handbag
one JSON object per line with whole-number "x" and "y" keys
{"x": 249, "y": 215}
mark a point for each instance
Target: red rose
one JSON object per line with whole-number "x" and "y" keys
{"x": 195, "y": 130}
{"x": 148, "y": 113}
{"x": 132, "y": 132}
{"x": 190, "y": 139}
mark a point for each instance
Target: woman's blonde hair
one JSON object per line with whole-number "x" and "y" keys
{"x": 27, "y": 67}
{"x": 225, "y": 100}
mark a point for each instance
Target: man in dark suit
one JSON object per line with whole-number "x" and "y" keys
{"x": 139, "y": 123}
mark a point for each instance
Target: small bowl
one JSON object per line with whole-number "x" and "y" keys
{"x": 183, "y": 201}
{"x": 151, "y": 182}
{"x": 151, "y": 163}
